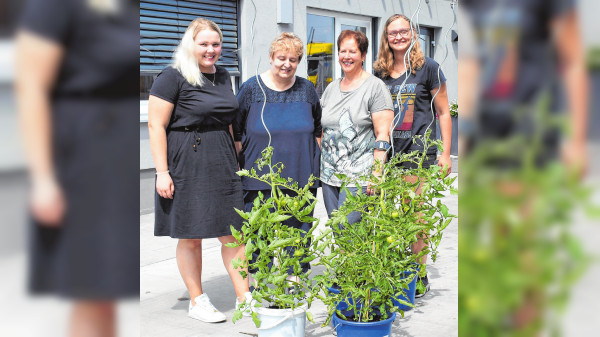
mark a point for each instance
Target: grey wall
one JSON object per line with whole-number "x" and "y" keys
{"x": 255, "y": 41}
{"x": 436, "y": 13}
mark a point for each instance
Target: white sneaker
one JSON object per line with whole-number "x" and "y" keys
{"x": 205, "y": 311}
{"x": 247, "y": 305}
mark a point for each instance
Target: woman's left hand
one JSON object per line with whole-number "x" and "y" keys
{"x": 445, "y": 163}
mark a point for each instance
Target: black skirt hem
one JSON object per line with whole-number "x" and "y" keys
{"x": 211, "y": 236}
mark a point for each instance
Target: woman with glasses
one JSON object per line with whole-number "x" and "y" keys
{"x": 414, "y": 82}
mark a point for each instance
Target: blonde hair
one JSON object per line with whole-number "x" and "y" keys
{"x": 184, "y": 59}
{"x": 385, "y": 57}
{"x": 287, "y": 42}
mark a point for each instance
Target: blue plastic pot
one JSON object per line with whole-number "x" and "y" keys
{"x": 409, "y": 293}
{"x": 362, "y": 329}
{"x": 342, "y": 305}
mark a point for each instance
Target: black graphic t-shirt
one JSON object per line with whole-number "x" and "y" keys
{"x": 519, "y": 70}
{"x": 415, "y": 103}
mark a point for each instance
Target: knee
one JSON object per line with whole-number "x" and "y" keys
{"x": 191, "y": 243}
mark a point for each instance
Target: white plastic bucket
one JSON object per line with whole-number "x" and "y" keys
{"x": 282, "y": 322}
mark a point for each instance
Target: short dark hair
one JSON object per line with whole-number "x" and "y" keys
{"x": 358, "y": 36}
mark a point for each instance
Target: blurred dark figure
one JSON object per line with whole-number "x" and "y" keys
{"x": 527, "y": 50}
{"x": 520, "y": 62}
{"x": 76, "y": 84}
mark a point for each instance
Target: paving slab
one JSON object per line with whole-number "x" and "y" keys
{"x": 164, "y": 299}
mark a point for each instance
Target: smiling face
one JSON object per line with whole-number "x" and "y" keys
{"x": 350, "y": 57}
{"x": 399, "y": 35}
{"x": 284, "y": 64}
{"x": 207, "y": 49}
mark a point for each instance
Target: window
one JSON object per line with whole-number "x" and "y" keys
{"x": 323, "y": 28}
{"x": 162, "y": 24}
{"x": 319, "y": 50}
{"x": 426, "y": 40}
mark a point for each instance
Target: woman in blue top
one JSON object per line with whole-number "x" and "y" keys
{"x": 292, "y": 114}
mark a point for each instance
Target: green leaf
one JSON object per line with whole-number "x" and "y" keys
{"x": 308, "y": 259}
{"x": 281, "y": 242}
{"x": 255, "y": 319}
{"x": 255, "y": 215}
{"x": 444, "y": 210}
{"x": 236, "y": 234}
{"x": 250, "y": 248}
{"x": 322, "y": 235}
{"x": 279, "y": 218}
{"x": 237, "y": 315}
{"x": 243, "y": 214}
{"x": 309, "y": 316}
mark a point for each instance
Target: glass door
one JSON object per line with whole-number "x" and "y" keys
{"x": 352, "y": 23}
{"x": 320, "y": 50}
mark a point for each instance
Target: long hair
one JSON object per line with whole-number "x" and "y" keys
{"x": 184, "y": 59}
{"x": 385, "y": 57}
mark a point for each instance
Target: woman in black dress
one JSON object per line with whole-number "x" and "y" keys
{"x": 191, "y": 108}
{"x": 77, "y": 86}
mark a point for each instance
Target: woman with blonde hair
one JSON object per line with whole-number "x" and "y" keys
{"x": 414, "y": 82}
{"x": 292, "y": 114}
{"x": 190, "y": 111}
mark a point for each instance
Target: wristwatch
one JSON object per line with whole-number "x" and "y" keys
{"x": 381, "y": 145}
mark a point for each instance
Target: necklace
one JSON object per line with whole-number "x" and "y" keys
{"x": 213, "y": 80}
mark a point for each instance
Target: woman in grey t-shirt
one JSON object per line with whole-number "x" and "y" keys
{"x": 357, "y": 113}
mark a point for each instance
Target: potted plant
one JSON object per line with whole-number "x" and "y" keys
{"x": 280, "y": 305}
{"x": 369, "y": 264}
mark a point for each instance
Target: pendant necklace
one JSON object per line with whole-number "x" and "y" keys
{"x": 211, "y": 81}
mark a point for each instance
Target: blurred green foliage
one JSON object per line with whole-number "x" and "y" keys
{"x": 518, "y": 259}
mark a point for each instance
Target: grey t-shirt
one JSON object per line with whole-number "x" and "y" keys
{"x": 348, "y": 134}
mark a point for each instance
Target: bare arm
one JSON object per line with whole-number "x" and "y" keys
{"x": 38, "y": 62}
{"x": 238, "y": 147}
{"x": 567, "y": 39}
{"x": 443, "y": 110}
{"x": 382, "y": 123}
{"x": 159, "y": 114}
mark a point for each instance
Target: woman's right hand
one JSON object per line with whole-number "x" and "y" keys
{"x": 47, "y": 202}
{"x": 164, "y": 186}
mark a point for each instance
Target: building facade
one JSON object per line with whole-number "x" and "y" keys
{"x": 249, "y": 26}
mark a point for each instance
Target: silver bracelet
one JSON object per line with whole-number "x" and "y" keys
{"x": 163, "y": 172}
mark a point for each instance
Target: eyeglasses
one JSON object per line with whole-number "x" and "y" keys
{"x": 402, "y": 32}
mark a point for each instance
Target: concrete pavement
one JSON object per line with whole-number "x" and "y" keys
{"x": 164, "y": 299}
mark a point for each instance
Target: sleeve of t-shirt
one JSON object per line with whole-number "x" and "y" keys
{"x": 381, "y": 98}
{"x": 433, "y": 80}
{"x": 47, "y": 18}
{"x": 239, "y": 122}
{"x": 325, "y": 96}
{"x": 316, "y": 112}
{"x": 166, "y": 85}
